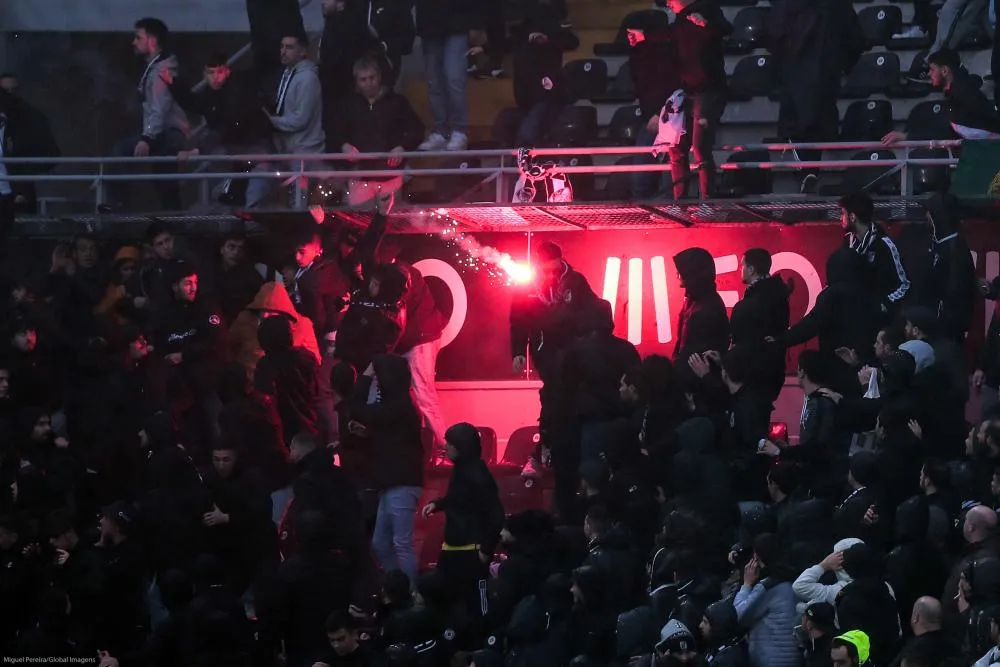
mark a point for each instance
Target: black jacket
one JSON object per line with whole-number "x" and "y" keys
{"x": 373, "y": 325}
{"x": 653, "y": 70}
{"x": 703, "y": 323}
{"x": 346, "y": 38}
{"x": 989, "y": 358}
{"x": 914, "y": 567}
{"x": 196, "y": 331}
{"x": 437, "y": 19}
{"x": 424, "y": 320}
{"x": 393, "y": 425}
{"x": 232, "y": 113}
{"x": 614, "y": 557}
{"x": 762, "y": 313}
{"x": 848, "y": 519}
{"x": 968, "y": 106}
{"x": 233, "y": 289}
{"x": 549, "y": 318}
{"x": 319, "y": 486}
{"x": 822, "y": 447}
{"x": 950, "y": 287}
{"x": 886, "y": 274}
{"x": 538, "y": 68}
{"x": 379, "y": 126}
{"x": 473, "y": 513}
{"x": 591, "y": 371}
{"x": 846, "y": 314}
{"x": 727, "y": 646}
{"x": 701, "y": 50}
{"x": 27, "y": 133}
{"x": 866, "y": 605}
{"x": 289, "y": 375}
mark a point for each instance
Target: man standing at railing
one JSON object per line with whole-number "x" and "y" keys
{"x": 297, "y": 116}
{"x": 164, "y": 124}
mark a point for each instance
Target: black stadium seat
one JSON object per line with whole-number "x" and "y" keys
{"x": 929, "y": 178}
{"x": 753, "y": 76}
{"x": 644, "y": 17}
{"x": 880, "y": 23}
{"x": 867, "y": 178}
{"x": 910, "y": 89}
{"x": 744, "y": 182}
{"x": 625, "y": 123}
{"x": 929, "y": 120}
{"x": 874, "y": 73}
{"x": 749, "y": 28}
{"x": 866, "y": 120}
{"x": 575, "y": 127}
{"x": 622, "y": 88}
{"x": 587, "y": 79}
{"x": 505, "y": 126}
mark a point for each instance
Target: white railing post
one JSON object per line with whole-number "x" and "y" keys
{"x": 301, "y": 188}
{"x": 99, "y": 199}
{"x": 904, "y": 174}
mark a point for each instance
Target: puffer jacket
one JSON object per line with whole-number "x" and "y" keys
{"x": 768, "y": 611}
{"x": 272, "y": 298}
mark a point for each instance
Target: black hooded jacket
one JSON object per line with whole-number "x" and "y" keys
{"x": 652, "y": 65}
{"x": 392, "y": 424}
{"x": 703, "y": 323}
{"x": 866, "y": 603}
{"x": 846, "y": 314}
{"x": 473, "y": 512}
{"x": 528, "y": 640}
{"x": 373, "y": 324}
{"x": 763, "y": 313}
{"x": 950, "y": 287}
{"x": 914, "y": 567}
{"x": 288, "y": 375}
{"x": 701, "y": 49}
{"x": 538, "y": 68}
{"x": 726, "y": 645}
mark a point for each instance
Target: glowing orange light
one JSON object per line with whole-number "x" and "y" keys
{"x": 518, "y": 272}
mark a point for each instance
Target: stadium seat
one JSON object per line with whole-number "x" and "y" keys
{"x": 868, "y": 178}
{"x": 929, "y": 178}
{"x": 587, "y": 79}
{"x": 874, "y": 73}
{"x": 746, "y": 182}
{"x": 575, "y": 127}
{"x": 866, "y": 120}
{"x": 461, "y": 188}
{"x": 929, "y": 120}
{"x": 753, "y": 76}
{"x": 909, "y": 88}
{"x": 625, "y": 123}
{"x": 505, "y": 126}
{"x": 643, "y": 17}
{"x": 521, "y": 445}
{"x": 880, "y": 23}
{"x": 622, "y": 88}
{"x": 910, "y": 43}
{"x": 748, "y": 30}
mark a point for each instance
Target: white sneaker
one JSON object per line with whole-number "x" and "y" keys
{"x": 457, "y": 142}
{"x": 913, "y": 32}
{"x": 434, "y": 142}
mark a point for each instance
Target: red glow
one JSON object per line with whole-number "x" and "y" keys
{"x": 519, "y": 273}
{"x": 778, "y": 432}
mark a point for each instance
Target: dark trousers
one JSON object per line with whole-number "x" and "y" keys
{"x": 536, "y": 123}
{"x": 170, "y": 142}
{"x": 924, "y": 16}
{"x": 6, "y": 222}
{"x": 704, "y": 111}
{"x": 466, "y": 576}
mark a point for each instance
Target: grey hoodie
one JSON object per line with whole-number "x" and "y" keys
{"x": 299, "y": 122}
{"x": 159, "y": 111}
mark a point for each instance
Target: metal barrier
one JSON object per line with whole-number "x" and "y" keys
{"x": 297, "y": 170}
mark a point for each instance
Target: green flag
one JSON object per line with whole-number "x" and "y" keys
{"x": 978, "y": 171}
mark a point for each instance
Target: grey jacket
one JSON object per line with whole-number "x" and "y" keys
{"x": 299, "y": 127}
{"x": 769, "y": 616}
{"x": 159, "y": 111}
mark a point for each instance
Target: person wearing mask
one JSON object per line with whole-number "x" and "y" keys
{"x": 165, "y": 126}
{"x": 866, "y": 237}
{"x": 815, "y": 44}
{"x": 698, "y": 35}
{"x": 651, "y": 65}
{"x": 539, "y": 80}
{"x": 446, "y": 29}
{"x": 851, "y": 649}
{"x": 703, "y": 323}
{"x": 929, "y": 638}
{"x": 297, "y": 115}
{"x": 818, "y": 627}
{"x": 473, "y": 519}
{"x": 762, "y": 313}
{"x": 376, "y": 119}
{"x": 387, "y": 419}
{"x": 234, "y": 123}
{"x": 765, "y": 605}
{"x": 971, "y": 114}
{"x": 720, "y": 629}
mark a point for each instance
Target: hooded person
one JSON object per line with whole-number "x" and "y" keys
{"x": 677, "y": 646}
{"x": 527, "y": 538}
{"x": 473, "y": 520}
{"x": 854, "y": 646}
{"x": 809, "y": 587}
{"x": 979, "y": 593}
{"x": 720, "y": 628}
{"x": 375, "y": 319}
{"x": 289, "y": 376}
{"x": 528, "y": 643}
{"x": 868, "y": 603}
{"x": 846, "y": 314}
{"x": 703, "y": 323}
{"x": 914, "y": 568}
{"x": 272, "y": 300}
{"x": 949, "y": 288}
{"x": 593, "y": 619}
{"x": 386, "y": 417}
{"x": 117, "y": 301}
{"x": 635, "y": 633}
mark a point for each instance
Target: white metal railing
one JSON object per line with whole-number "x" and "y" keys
{"x": 297, "y": 169}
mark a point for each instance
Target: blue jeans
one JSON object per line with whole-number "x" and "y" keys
{"x": 393, "y": 539}
{"x": 646, "y": 184}
{"x": 536, "y": 124}
{"x": 444, "y": 65}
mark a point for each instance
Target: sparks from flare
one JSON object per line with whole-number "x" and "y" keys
{"x": 474, "y": 256}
